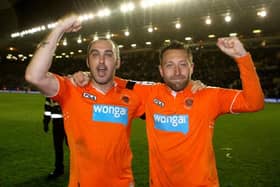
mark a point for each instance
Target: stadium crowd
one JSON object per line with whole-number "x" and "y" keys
{"x": 143, "y": 64}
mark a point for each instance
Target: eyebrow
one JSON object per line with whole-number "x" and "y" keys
{"x": 106, "y": 51}
{"x": 186, "y": 61}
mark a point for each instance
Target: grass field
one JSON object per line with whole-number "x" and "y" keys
{"x": 247, "y": 147}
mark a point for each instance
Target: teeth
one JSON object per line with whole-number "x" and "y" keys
{"x": 101, "y": 68}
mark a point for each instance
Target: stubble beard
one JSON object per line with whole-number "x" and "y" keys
{"x": 177, "y": 86}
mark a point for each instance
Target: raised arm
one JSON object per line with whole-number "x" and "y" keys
{"x": 37, "y": 71}
{"x": 251, "y": 94}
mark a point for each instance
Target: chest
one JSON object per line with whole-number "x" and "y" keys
{"x": 92, "y": 107}
{"x": 169, "y": 104}
{"x": 183, "y": 113}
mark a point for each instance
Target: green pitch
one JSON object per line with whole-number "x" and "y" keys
{"x": 247, "y": 147}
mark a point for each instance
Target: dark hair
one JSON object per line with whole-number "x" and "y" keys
{"x": 115, "y": 46}
{"x": 174, "y": 44}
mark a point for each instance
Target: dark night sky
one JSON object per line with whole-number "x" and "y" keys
{"x": 16, "y": 15}
{"x": 20, "y": 14}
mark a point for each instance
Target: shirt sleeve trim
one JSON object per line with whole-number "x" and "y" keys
{"x": 234, "y": 99}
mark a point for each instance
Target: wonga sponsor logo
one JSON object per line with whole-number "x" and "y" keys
{"x": 110, "y": 113}
{"x": 172, "y": 123}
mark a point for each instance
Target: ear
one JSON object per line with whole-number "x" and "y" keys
{"x": 118, "y": 64}
{"x": 191, "y": 68}
{"x": 160, "y": 70}
{"x": 87, "y": 63}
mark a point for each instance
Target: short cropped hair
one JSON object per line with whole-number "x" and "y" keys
{"x": 175, "y": 45}
{"x": 115, "y": 46}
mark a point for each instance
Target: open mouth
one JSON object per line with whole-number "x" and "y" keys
{"x": 101, "y": 70}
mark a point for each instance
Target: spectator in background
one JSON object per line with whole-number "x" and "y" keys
{"x": 53, "y": 113}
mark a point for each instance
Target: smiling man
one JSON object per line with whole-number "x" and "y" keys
{"x": 180, "y": 124}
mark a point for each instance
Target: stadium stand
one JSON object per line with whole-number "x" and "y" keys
{"x": 215, "y": 69}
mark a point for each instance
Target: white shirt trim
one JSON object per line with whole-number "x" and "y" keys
{"x": 234, "y": 99}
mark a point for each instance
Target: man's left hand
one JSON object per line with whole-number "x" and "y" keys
{"x": 232, "y": 47}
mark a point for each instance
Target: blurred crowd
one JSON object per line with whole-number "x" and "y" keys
{"x": 212, "y": 67}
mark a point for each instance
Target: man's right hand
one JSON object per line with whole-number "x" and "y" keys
{"x": 37, "y": 70}
{"x": 197, "y": 85}
{"x": 69, "y": 24}
{"x": 80, "y": 78}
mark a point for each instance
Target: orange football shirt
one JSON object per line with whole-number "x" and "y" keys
{"x": 98, "y": 131}
{"x": 180, "y": 127}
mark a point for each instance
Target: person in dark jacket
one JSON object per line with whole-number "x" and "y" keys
{"x": 53, "y": 113}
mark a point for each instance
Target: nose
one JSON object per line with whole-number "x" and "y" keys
{"x": 102, "y": 59}
{"x": 177, "y": 70}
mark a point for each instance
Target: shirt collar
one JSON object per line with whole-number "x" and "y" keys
{"x": 91, "y": 86}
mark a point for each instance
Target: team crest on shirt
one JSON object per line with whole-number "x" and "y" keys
{"x": 158, "y": 102}
{"x": 89, "y": 96}
{"x": 125, "y": 99}
{"x": 189, "y": 102}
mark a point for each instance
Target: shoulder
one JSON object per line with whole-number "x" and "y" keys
{"x": 66, "y": 87}
{"x": 209, "y": 91}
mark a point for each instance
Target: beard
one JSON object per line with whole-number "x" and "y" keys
{"x": 177, "y": 83}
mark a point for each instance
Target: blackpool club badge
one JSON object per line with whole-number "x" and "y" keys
{"x": 188, "y": 103}
{"x": 125, "y": 99}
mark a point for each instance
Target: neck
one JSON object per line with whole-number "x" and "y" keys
{"x": 103, "y": 87}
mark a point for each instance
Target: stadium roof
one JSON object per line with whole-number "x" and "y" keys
{"x": 20, "y": 15}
